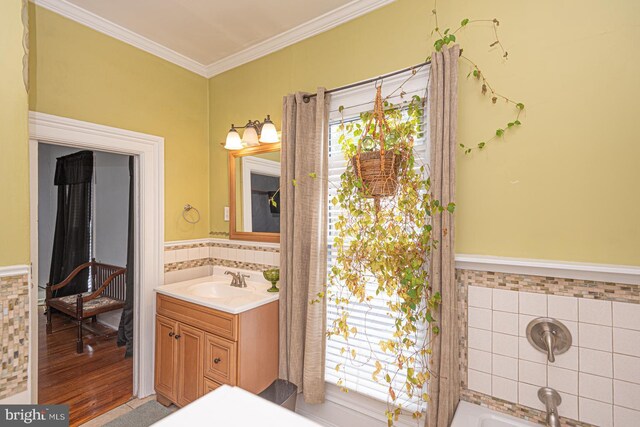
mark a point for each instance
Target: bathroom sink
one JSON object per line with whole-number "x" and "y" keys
{"x": 215, "y": 291}
{"x": 218, "y": 289}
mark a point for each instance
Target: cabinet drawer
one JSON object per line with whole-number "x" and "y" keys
{"x": 210, "y": 385}
{"x": 207, "y": 319}
{"x": 220, "y": 359}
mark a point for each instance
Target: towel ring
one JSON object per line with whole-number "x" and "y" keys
{"x": 188, "y": 208}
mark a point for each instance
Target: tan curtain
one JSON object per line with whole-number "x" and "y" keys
{"x": 303, "y": 242}
{"x": 444, "y": 387}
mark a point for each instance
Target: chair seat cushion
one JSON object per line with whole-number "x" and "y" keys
{"x": 102, "y": 303}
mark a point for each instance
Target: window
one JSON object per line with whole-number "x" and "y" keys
{"x": 373, "y": 322}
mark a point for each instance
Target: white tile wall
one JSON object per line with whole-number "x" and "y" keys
{"x": 598, "y": 378}
{"x": 231, "y": 254}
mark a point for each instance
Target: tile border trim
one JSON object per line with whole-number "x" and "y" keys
{"x": 624, "y": 274}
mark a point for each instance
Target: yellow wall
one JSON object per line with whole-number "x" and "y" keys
{"x": 14, "y": 160}
{"x": 83, "y": 74}
{"x": 562, "y": 187}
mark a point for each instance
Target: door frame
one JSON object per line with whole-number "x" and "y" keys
{"x": 149, "y": 226}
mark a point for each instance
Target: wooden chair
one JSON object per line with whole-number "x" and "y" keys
{"x": 107, "y": 294}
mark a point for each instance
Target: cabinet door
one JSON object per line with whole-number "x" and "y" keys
{"x": 166, "y": 357}
{"x": 190, "y": 364}
{"x": 220, "y": 359}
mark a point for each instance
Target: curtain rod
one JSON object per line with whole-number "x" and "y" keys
{"x": 306, "y": 98}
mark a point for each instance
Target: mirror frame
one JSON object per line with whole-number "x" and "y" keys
{"x": 234, "y": 234}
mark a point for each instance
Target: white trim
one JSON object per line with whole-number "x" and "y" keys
{"x": 104, "y": 26}
{"x": 149, "y": 208}
{"x": 170, "y": 244}
{"x": 254, "y": 164}
{"x": 308, "y": 29}
{"x": 349, "y": 409}
{"x": 21, "y": 398}
{"x": 14, "y": 270}
{"x": 318, "y": 25}
{"x": 537, "y": 267}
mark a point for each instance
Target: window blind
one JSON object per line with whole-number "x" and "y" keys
{"x": 372, "y": 320}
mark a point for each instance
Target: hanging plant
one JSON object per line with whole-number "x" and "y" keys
{"x": 378, "y": 169}
{"x": 383, "y": 244}
{"x": 383, "y": 238}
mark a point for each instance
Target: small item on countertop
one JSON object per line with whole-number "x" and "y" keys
{"x": 272, "y": 275}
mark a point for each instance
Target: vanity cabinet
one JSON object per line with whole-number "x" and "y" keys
{"x": 199, "y": 348}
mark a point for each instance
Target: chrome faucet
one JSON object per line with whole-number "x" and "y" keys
{"x": 551, "y": 400}
{"x": 238, "y": 279}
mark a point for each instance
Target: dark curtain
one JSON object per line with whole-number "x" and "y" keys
{"x": 72, "y": 234}
{"x": 125, "y": 330}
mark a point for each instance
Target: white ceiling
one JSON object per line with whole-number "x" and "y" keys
{"x": 211, "y": 36}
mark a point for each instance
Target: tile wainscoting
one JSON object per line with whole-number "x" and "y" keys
{"x": 14, "y": 330}
{"x": 598, "y": 378}
{"x": 187, "y": 260}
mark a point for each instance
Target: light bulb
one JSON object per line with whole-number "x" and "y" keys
{"x": 250, "y": 136}
{"x": 233, "y": 141}
{"x": 269, "y": 133}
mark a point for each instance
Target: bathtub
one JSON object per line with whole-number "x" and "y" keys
{"x": 470, "y": 415}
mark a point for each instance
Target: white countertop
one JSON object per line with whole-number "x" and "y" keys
{"x": 216, "y": 292}
{"x": 233, "y": 407}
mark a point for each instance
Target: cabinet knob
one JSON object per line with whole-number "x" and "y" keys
{"x": 171, "y": 333}
{"x": 177, "y": 337}
{"x": 216, "y": 360}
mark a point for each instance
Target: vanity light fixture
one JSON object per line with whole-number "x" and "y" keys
{"x": 254, "y": 134}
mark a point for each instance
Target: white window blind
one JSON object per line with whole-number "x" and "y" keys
{"x": 372, "y": 320}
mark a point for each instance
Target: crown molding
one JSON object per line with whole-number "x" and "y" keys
{"x": 303, "y": 31}
{"x": 322, "y": 23}
{"x": 104, "y": 26}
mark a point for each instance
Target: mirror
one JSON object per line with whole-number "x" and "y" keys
{"x": 254, "y": 179}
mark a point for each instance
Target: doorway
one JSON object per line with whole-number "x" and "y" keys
{"x": 149, "y": 228}
{"x": 98, "y": 376}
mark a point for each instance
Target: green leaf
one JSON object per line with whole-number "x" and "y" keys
{"x": 447, "y": 31}
{"x": 517, "y": 123}
{"x": 452, "y": 37}
{"x": 520, "y": 106}
{"x": 499, "y": 132}
{"x": 464, "y": 22}
{"x": 341, "y": 108}
{"x": 313, "y": 175}
{"x": 481, "y": 145}
{"x": 476, "y": 73}
{"x": 294, "y": 182}
{"x": 451, "y": 207}
{"x": 510, "y": 124}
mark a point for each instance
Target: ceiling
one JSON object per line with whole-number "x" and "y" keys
{"x": 211, "y": 36}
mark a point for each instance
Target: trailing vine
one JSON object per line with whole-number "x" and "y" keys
{"x": 447, "y": 37}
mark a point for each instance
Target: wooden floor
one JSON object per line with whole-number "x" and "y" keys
{"x": 91, "y": 383}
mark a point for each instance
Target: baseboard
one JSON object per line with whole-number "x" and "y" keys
{"x": 22, "y": 398}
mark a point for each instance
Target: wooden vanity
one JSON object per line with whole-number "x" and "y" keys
{"x": 198, "y": 348}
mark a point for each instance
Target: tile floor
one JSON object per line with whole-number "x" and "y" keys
{"x": 120, "y": 410}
